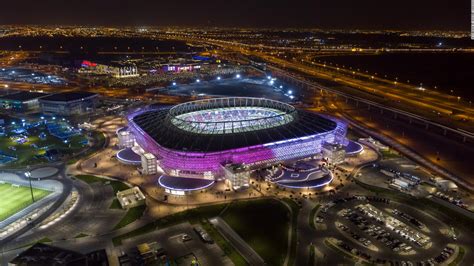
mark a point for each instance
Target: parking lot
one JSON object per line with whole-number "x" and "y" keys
{"x": 180, "y": 243}
{"x": 374, "y": 228}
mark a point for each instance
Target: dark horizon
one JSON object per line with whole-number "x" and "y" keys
{"x": 339, "y": 14}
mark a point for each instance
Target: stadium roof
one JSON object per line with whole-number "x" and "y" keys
{"x": 157, "y": 124}
{"x": 23, "y": 96}
{"x": 68, "y": 96}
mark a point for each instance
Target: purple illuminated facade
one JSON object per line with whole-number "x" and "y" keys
{"x": 269, "y": 147}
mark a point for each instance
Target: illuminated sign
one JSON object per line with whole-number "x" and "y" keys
{"x": 86, "y": 63}
{"x": 182, "y": 68}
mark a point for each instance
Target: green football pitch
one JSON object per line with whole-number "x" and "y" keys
{"x": 13, "y": 198}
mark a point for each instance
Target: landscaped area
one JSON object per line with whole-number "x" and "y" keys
{"x": 132, "y": 215}
{"x": 28, "y": 146}
{"x": 15, "y": 198}
{"x": 264, "y": 225}
{"x": 194, "y": 216}
{"x": 116, "y": 185}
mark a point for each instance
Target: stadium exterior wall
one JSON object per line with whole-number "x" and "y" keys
{"x": 198, "y": 164}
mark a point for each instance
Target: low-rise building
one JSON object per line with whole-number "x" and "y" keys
{"x": 24, "y": 101}
{"x": 130, "y": 198}
{"x": 69, "y": 103}
{"x": 334, "y": 153}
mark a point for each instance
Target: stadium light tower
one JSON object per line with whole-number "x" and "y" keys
{"x": 28, "y": 175}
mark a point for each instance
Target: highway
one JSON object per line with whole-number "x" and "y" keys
{"x": 467, "y": 135}
{"x": 445, "y": 109}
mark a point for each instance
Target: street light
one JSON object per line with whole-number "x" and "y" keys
{"x": 28, "y": 175}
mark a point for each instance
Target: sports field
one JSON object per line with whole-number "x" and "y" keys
{"x": 14, "y": 199}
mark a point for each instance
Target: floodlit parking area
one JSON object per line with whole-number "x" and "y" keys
{"x": 393, "y": 224}
{"x": 380, "y": 230}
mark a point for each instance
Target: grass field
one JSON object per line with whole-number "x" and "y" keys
{"x": 263, "y": 224}
{"x": 14, "y": 199}
{"x": 116, "y": 185}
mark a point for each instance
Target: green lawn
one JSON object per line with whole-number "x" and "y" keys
{"x": 116, "y": 185}
{"x": 312, "y": 215}
{"x": 115, "y": 205}
{"x": 295, "y": 209}
{"x": 390, "y": 154}
{"x": 263, "y": 224}
{"x": 459, "y": 258}
{"x": 132, "y": 215}
{"x": 14, "y": 199}
{"x": 90, "y": 179}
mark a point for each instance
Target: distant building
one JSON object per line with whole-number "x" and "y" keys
{"x": 374, "y": 144}
{"x": 446, "y": 185}
{"x": 334, "y": 153}
{"x": 88, "y": 67}
{"x": 181, "y": 68}
{"x": 125, "y": 72}
{"x": 69, "y": 103}
{"x": 21, "y": 102}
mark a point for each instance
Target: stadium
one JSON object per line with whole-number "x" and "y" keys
{"x": 221, "y": 138}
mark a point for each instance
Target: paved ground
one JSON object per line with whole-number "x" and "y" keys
{"x": 43, "y": 172}
{"x": 305, "y": 233}
{"x": 170, "y": 239}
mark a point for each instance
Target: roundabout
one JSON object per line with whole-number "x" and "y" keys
{"x": 44, "y": 172}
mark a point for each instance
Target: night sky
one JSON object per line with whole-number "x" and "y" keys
{"x": 381, "y": 14}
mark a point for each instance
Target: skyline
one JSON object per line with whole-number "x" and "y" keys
{"x": 367, "y": 14}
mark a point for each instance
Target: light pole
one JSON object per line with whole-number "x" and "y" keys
{"x": 28, "y": 175}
